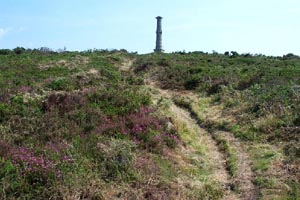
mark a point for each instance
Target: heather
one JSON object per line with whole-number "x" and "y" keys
{"x": 66, "y": 116}
{"x": 110, "y": 124}
{"x": 256, "y": 87}
{"x": 254, "y": 98}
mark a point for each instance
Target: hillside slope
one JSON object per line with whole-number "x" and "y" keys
{"x": 116, "y": 125}
{"x": 250, "y": 106}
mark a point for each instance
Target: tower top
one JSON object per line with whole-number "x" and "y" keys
{"x": 158, "y": 17}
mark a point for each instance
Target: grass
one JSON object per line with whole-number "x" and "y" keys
{"x": 262, "y": 156}
{"x": 88, "y": 120}
{"x": 68, "y": 116}
{"x": 255, "y": 86}
{"x": 231, "y": 154}
{"x": 193, "y": 165}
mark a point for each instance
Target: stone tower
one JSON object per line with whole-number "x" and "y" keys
{"x": 158, "y": 47}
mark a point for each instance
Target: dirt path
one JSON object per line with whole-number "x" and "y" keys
{"x": 243, "y": 179}
{"x": 126, "y": 64}
{"x": 217, "y": 159}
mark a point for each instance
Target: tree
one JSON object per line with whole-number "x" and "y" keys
{"x": 5, "y": 51}
{"x": 19, "y": 50}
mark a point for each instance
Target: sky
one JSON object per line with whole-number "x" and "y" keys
{"x": 269, "y": 27}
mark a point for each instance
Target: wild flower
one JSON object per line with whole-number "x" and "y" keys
{"x": 32, "y": 166}
{"x": 141, "y": 126}
{"x": 123, "y": 131}
{"x": 25, "y": 88}
{"x": 57, "y": 147}
{"x": 138, "y": 128}
{"x": 27, "y": 159}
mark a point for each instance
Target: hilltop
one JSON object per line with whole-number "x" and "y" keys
{"x": 117, "y": 125}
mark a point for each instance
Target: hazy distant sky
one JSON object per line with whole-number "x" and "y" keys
{"x": 270, "y": 27}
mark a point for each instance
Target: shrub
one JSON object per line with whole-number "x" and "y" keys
{"x": 25, "y": 172}
{"x": 59, "y": 84}
{"x": 118, "y": 102}
{"x": 19, "y": 50}
{"x": 63, "y": 102}
{"x": 4, "y": 112}
{"x": 112, "y": 157}
{"x": 5, "y": 51}
{"x": 142, "y": 127}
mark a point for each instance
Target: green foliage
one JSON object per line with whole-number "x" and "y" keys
{"x": 19, "y": 50}
{"x": 58, "y": 84}
{"x": 5, "y": 51}
{"x": 261, "y": 85}
{"x": 58, "y": 107}
{"x": 118, "y": 101}
{"x": 264, "y": 182}
{"x": 295, "y": 190}
{"x": 262, "y": 157}
{"x": 292, "y": 151}
{"x": 4, "y": 112}
{"x": 230, "y": 154}
{"x": 112, "y": 157}
{"x": 208, "y": 191}
{"x": 10, "y": 180}
{"x": 83, "y": 104}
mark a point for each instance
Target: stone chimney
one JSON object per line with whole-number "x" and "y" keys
{"x": 158, "y": 47}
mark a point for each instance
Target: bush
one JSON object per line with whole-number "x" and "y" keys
{"x": 63, "y": 102}
{"x": 25, "y": 173}
{"x": 146, "y": 130}
{"x": 112, "y": 157}
{"x": 59, "y": 84}
{"x": 19, "y": 50}
{"x": 114, "y": 101}
{"x": 5, "y": 51}
{"x": 4, "y": 112}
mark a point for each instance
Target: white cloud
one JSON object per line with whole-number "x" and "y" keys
{"x": 3, "y": 31}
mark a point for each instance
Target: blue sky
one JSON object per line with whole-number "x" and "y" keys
{"x": 270, "y": 27}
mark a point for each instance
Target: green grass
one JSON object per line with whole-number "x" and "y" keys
{"x": 263, "y": 85}
{"x": 79, "y": 105}
{"x": 262, "y": 157}
{"x": 231, "y": 154}
{"x": 79, "y": 113}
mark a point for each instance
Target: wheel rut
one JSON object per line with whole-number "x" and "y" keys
{"x": 238, "y": 186}
{"x": 244, "y": 176}
{"x": 242, "y": 181}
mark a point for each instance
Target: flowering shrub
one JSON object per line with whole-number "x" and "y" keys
{"x": 142, "y": 127}
{"x": 25, "y": 89}
{"x": 34, "y": 168}
{"x": 117, "y": 100}
{"x": 63, "y": 102}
